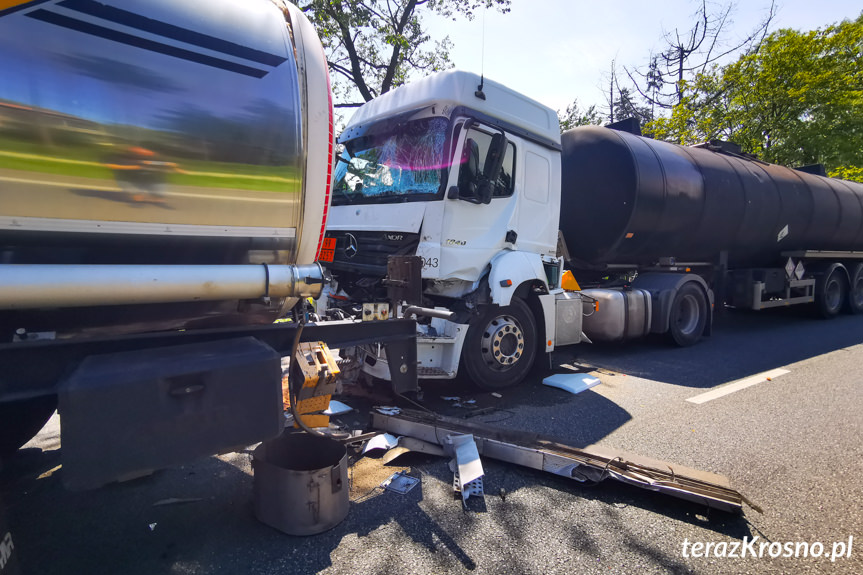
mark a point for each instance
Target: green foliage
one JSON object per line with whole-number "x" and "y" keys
{"x": 575, "y": 116}
{"x": 796, "y": 100}
{"x": 853, "y": 173}
{"x": 373, "y": 46}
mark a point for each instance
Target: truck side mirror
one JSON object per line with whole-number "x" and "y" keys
{"x": 491, "y": 169}
{"x": 494, "y": 159}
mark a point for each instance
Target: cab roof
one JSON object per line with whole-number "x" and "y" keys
{"x": 456, "y": 89}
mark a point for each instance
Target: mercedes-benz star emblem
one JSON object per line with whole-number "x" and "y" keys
{"x": 351, "y": 248}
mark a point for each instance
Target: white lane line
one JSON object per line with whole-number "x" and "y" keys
{"x": 736, "y": 386}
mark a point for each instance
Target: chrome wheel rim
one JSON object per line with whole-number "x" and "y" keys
{"x": 502, "y": 343}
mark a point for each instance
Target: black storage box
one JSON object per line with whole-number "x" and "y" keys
{"x": 742, "y": 281}
{"x": 126, "y": 414}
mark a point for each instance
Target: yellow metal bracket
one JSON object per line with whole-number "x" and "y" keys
{"x": 316, "y": 366}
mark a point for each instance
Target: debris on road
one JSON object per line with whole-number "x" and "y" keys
{"x": 382, "y": 441}
{"x": 465, "y": 465}
{"x": 412, "y": 445}
{"x": 400, "y": 482}
{"x": 337, "y": 408}
{"x": 571, "y": 382}
{"x": 590, "y": 464}
{"x": 50, "y": 472}
{"x": 366, "y": 476}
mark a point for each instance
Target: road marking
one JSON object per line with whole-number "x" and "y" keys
{"x": 736, "y": 386}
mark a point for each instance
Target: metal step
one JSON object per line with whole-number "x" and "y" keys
{"x": 441, "y": 340}
{"x": 432, "y": 373}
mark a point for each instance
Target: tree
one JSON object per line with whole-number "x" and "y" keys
{"x": 575, "y": 116}
{"x": 372, "y": 46}
{"x": 797, "y": 99}
{"x": 690, "y": 53}
{"x": 626, "y": 106}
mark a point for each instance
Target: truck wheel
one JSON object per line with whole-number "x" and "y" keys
{"x": 830, "y": 293}
{"x": 688, "y": 315}
{"x": 855, "y": 291}
{"x": 500, "y": 346}
{"x": 22, "y": 420}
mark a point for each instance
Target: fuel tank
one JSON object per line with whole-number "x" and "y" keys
{"x": 161, "y": 133}
{"x": 626, "y": 199}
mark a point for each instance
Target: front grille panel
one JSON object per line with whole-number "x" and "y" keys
{"x": 368, "y": 251}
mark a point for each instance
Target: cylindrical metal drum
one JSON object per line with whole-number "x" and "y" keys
{"x": 301, "y": 483}
{"x": 629, "y": 199}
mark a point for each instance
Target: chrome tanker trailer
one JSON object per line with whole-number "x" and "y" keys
{"x": 165, "y": 171}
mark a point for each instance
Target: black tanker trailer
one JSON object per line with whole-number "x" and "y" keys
{"x": 761, "y": 235}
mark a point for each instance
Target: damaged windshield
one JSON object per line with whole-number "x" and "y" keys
{"x": 402, "y": 164}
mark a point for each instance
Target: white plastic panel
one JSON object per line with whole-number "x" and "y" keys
{"x": 377, "y": 217}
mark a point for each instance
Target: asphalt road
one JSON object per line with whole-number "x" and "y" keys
{"x": 791, "y": 444}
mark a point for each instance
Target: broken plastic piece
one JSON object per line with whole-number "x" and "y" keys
{"x": 571, "y": 382}
{"x": 385, "y": 410}
{"x": 337, "y": 408}
{"x": 382, "y": 441}
{"x": 410, "y": 444}
{"x": 466, "y": 466}
{"x": 400, "y": 482}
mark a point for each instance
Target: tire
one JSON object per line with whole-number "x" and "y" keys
{"x": 830, "y": 290}
{"x": 500, "y": 347}
{"x": 854, "y": 299}
{"x": 688, "y": 315}
{"x": 22, "y": 420}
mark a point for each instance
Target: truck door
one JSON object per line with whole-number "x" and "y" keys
{"x": 478, "y": 212}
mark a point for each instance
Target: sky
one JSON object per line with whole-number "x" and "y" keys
{"x": 555, "y": 51}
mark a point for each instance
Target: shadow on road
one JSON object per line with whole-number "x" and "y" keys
{"x": 745, "y": 343}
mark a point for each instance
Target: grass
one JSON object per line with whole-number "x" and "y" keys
{"x": 85, "y": 162}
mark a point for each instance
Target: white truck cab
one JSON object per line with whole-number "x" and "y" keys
{"x": 464, "y": 173}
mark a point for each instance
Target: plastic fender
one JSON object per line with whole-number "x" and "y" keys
{"x": 663, "y": 287}
{"x": 548, "y": 312}
{"x": 824, "y": 269}
{"x": 509, "y": 270}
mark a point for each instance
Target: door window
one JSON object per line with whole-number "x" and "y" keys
{"x": 472, "y": 165}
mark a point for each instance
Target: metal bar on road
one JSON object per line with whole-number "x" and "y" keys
{"x": 589, "y": 464}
